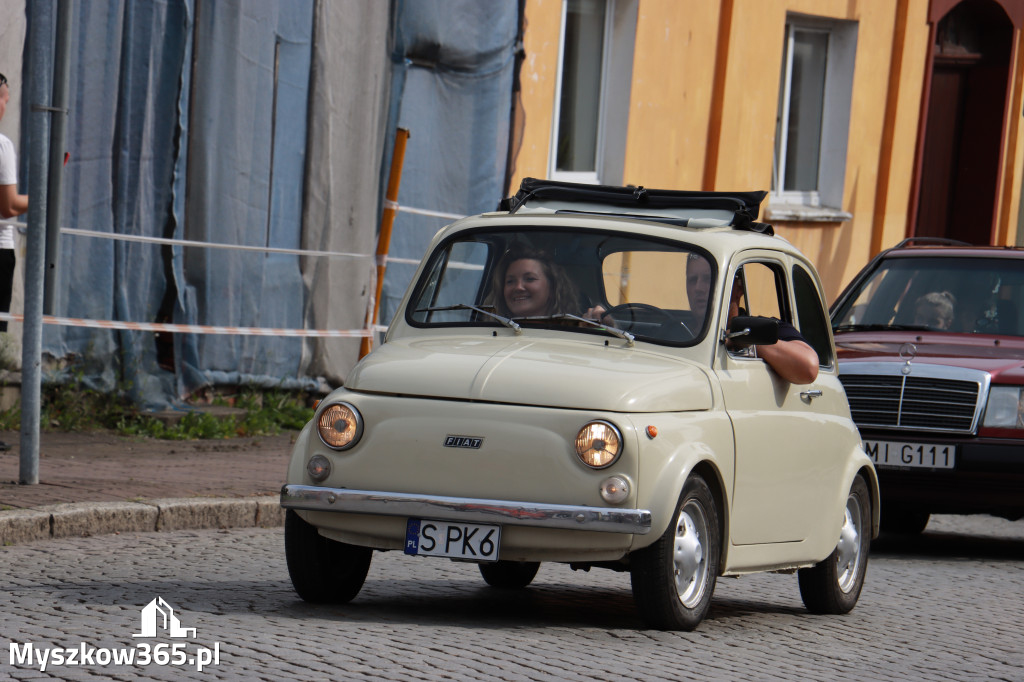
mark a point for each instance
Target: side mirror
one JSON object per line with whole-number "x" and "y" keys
{"x": 751, "y": 331}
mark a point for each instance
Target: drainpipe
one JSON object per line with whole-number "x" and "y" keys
{"x": 58, "y": 135}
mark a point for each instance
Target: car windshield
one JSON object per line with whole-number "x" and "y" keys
{"x": 590, "y": 282}
{"x": 951, "y": 294}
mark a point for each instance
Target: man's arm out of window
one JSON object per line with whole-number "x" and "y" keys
{"x": 795, "y": 361}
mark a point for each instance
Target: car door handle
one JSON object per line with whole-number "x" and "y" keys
{"x": 810, "y": 395}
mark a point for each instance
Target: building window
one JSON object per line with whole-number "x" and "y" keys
{"x": 579, "y": 99}
{"x": 813, "y": 120}
{"x": 592, "y": 90}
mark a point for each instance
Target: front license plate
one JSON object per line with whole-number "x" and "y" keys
{"x": 919, "y": 455}
{"x": 424, "y": 537}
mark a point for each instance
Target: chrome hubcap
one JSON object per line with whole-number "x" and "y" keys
{"x": 689, "y": 556}
{"x": 848, "y": 549}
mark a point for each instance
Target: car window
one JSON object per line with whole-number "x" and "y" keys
{"x": 758, "y": 289}
{"x": 763, "y": 290}
{"x": 811, "y": 320}
{"x": 655, "y": 290}
{"x": 953, "y": 294}
{"x": 455, "y": 275}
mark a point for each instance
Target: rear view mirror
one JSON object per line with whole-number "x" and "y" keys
{"x": 751, "y": 331}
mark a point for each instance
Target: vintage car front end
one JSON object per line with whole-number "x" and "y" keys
{"x": 505, "y": 471}
{"x": 942, "y": 416}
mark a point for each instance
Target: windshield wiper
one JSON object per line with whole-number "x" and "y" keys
{"x": 465, "y": 306}
{"x": 876, "y": 327}
{"x": 614, "y": 331}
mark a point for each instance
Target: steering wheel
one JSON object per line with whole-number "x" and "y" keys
{"x": 631, "y": 309}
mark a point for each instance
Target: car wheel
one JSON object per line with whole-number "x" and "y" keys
{"x": 904, "y": 521}
{"x": 833, "y": 585}
{"x": 323, "y": 571}
{"x": 509, "y": 575}
{"x": 674, "y": 578}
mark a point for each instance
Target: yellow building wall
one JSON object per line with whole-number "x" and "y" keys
{"x": 704, "y": 100}
{"x": 539, "y": 73}
{"x": 670, "y": 102}
{"x": 1009, "y": 203}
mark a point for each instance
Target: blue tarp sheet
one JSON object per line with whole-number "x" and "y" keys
{"x": 193, "y": 120}
{"x": 126, "y": 67}
{"x": 161, "y": 149}
{"x": 454, "y": 62}
{"x": 244, "y": 185}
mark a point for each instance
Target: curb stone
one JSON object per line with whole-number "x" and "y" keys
{"x": 18, "y": 526}
{"x": 69, "y": 520}
{"x": 188, "y": 514}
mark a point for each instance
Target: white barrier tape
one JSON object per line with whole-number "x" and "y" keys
{"x": 395, "y": 206}
{"x": 192, "y": 328}
{"x": 403, "y": 261}
{"x": 208, "y": 245}
{"x": 454, "y": 265}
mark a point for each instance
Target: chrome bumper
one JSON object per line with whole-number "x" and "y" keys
{"x": 565, "y": 517}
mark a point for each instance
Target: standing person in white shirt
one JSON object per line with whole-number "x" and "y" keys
{"x": 11, "y": 204}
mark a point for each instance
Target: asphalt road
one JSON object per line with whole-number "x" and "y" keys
{"x": 946, "y": 606}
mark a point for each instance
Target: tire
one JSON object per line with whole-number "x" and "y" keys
{"x": 323, "y": 571}
{"x": 833, "y": 585}
{"x": 673, "y": 579}
{"x": 509, "y": 575}
{"x": 901, "y": 521}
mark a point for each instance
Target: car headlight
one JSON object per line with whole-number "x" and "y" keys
{"x": 598, "y": 444}
{"x": 1004, "y": 409}
{"x": 340, "y": 426}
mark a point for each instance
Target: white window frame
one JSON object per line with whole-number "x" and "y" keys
{"x": 613, "y": 111}
{"x": 824, "y": 203}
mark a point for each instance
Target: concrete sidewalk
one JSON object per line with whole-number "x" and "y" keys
{"x": 94, "y": 483}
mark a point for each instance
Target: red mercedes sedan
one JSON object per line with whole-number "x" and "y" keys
{"x": 930, "y": 341}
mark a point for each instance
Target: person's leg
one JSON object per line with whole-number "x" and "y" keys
{"x": 7, "y": 261}
{"x": 6, "y": 287}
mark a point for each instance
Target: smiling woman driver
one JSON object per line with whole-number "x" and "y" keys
{"x": 532, "y": 285}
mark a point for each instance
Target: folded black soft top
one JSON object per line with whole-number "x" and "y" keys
{"x": 744, "y": 205}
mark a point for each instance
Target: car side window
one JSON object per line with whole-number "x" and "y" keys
{"x": 758, "y": 289}
{"x": 764, "y": 291}
{"x": 811, "y": 319}
{"x": 457, "y": 276}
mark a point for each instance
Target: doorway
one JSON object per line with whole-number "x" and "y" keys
{"x": 960, "y": 159}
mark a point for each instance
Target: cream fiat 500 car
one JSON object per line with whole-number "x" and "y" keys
{"x": 562, "y": 383}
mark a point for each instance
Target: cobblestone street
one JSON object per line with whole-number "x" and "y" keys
{"x": 945, "y": 606}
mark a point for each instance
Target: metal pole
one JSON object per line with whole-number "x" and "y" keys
{"x": 387, "y": 221}
{"x": 58, "y": 130}
{"x": 40, "y": 52}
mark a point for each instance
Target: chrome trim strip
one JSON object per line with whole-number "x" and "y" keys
{"x": 561, "y": 516}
